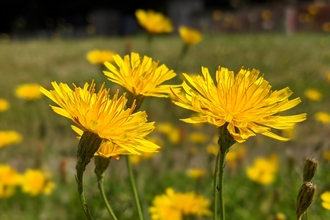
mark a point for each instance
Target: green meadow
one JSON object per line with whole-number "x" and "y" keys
{"x": 300, "y": 61}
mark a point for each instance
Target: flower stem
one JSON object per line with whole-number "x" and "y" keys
{"x": 225, "y": 142}
{"x": 101, "y": 188}
{"x": 79, "y": 179}
{"x": 133, "y": 185}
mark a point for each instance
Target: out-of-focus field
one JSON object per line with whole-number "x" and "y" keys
{"x": 299, "y": 61}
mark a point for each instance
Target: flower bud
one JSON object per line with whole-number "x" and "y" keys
{"x": 309, "y": 169}
{"x": 305, "y": 198}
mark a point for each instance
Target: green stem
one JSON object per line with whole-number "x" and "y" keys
{"x": 133, "y": 185}
{"x": 79, "y": 179}
{"x": 101, "y": 188}
{"x": 219, "y": 209}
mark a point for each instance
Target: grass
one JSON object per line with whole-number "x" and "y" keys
{"x": 300, "y": 61}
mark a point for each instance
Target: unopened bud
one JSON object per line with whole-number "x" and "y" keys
{"x": 310, "y": 169}
{"x": 305, "y": 198}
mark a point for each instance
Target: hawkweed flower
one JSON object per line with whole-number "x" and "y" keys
{"x": 323, "y": 117}
{"x": 189, "y": 35}
{"x": 154, "y": 22}
{"x": 313, "y": 94}
{"x": 195, "y": 173}
{"x": 325, "y": 197}
{"x": 240, "y": 107}
{"x": 35, "y": 182}
{"x": 28, "y": 92}
{"x": 4, "y": 105}
{"x": 244, "y": 103}
{"x": 263, "y": 170}
{"x": 197, "y": 137}
{"x": 109, "y": 127}
{"x": 9, "y": 137}
{"x": 176, "y": 206}
{"x": 99, "y": 56}
{"x": 9, "y": 179}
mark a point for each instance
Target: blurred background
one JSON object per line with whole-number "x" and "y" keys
{"x": 37, "y": 18}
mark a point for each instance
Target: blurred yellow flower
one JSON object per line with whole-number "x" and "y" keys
{"x": 328, "y": 77}
{"x": 280, "y": 216}
{"x": 236, "y": 154}
{"x": 325, "y": 197}
{"x": 244, "y": 103}
{"x": 164, "y": 127}
{"x": 99, "y": 56}
{"x": 35, "y": 182}
{"x": 263, "y": 170}
{"x": 313, "y": 94}
{"x": 9, "y": 137}
{"x": 190, "y": 36}
{"x": 154, "y": 22}
{"x": 195, "y": 173}
{"x": 323, "y": 117}
{"x": 176, "y": 206}
{"x": 136, "y": 159}
{"x": 29, "y": 91}
{"x": 326, "y": 155}
{"x": 290, "y": 133}
{"x": 212, "y": 149}
{"x": 140, "y": 76}
{"x": 4, "y": 105}
{"x": 197, "y": 137}
{"x": 326, "y": 26}
{"x": 121, "y": 130}
{"x": 172, "y": 132}
{"x": 9, "y": 179}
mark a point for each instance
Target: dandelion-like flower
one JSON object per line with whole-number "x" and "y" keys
{"x": 190, "y": 36}
{"x": 325, "y": 197}
{"x": 175, "y": 205}
{"x": 140, "y": 76}
{"x": 9, "y": 137}
{"x": 323, "y": 117}
{"x": 35, "y": 182}
{"x": 244, "y": 102}
{"x": 4, "y": 105}
{"x": 263, "y": 170}
{"x": 313, "y": 94}
{"x": 9, "y": 179}
{"x": 99, "y": 56}
{"x": 154, "y": 22}
{"x": 121, "y": 130}
{"x": 30, "y": 91}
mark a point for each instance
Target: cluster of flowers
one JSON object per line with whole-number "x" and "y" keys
{"x": 32, "y": 182}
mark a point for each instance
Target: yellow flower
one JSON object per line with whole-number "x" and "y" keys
{"x": 100, "y": 56}
{"x": 196, "y": 173}
{"x": 29, "y": 91}
{"x": 190, "y": 36}
{"x": 323, "y": 117}
{"x": 9, "y": 137}
{"x": 154, "y": 22}
{"x": 313, "y": 94}
{"x": 175, "y": 206}
{"x": 263, "y": 170}
{"x": 212, "y": 149}
{"x": 9, "y": 178}
{"x": 244, "y": 102}
{"x": 325, "y": 197}
{"x": 121, "y": 130}
{"x": 140, "y": 76}
{"x": 4, "y": 105}
{"x": 35, "y": 182}
{"x": 173, "y": 133}
{"x": 266, "y": 15}
{"x": 197, "y": 137}
{"x": 326, "y": 155}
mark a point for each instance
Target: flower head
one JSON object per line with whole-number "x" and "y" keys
{"x": 322, "y": 117}
{"x": 4, "y": 105}
{"x": 99, "y": 56}
{"x": 244, "y": 102}
{"x": 8, "y": 180}
{"x": 263, "y": 170}
{"x": 313, "y": 94}
{"x": 325, "y": 197}
{"x": 140, "y": 76}
{"x": 35, "y": 182}
{"x": 174, "y": 205}
{"x": 190, "y": 36}
{"x": 9, "y": 137}
{"x": 29, "y": 91}
{"x": 121, "y": 130}
{"x": 154, "y": 22}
